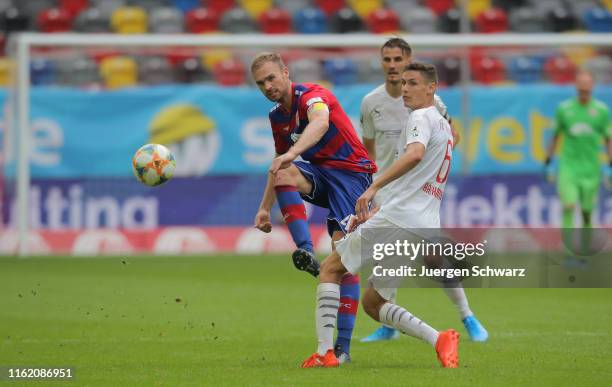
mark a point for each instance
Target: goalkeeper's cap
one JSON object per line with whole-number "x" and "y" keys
{"x": 175, "y": 123}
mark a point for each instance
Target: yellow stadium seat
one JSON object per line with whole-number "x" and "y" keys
{"x": 129, "y": 20}
{"x": 476, "y": 7}
{"x": 578, "y": 55}
{"x": 119, "y": 71}
{"x": 364, "y": 7}
{"x": 212, "y": 57}
{"x": 256, "y": 7}
{"x": 607, "y": 4}
{"x": 6, "y": 70}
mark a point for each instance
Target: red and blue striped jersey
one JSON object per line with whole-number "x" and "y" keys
{"x": 338, "y": 148}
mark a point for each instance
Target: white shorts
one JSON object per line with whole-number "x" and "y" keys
{"x": 350, "y": 250}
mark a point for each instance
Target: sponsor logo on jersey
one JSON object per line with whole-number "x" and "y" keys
{"x": 580, "y": 129}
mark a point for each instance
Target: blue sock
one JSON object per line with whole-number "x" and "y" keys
{"x": 347, "y": 313}
{"x": 294, "y": 212}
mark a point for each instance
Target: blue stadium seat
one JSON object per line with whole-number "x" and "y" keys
{"x": 310, "y": 20}
{"x": 42, "y": 72}
{"x": 598, "y": 19}
{"x": 524, "y": 69}
{"x": 340, "y": 71}
{"x": 186, "y": 5}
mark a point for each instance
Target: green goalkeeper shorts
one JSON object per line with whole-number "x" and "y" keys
{"x": 578, "y": 190}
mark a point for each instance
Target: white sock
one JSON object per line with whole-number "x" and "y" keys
{"x": 400, "y": 318}
{"x": 328, "y": 302}
{"x": 456, "y": 294}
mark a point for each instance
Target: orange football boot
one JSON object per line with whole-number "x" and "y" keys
{"x": 329, "y": 360}
{"x": 447, "y": 348}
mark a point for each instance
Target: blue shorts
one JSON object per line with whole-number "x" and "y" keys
{"x": 336, "y": 190}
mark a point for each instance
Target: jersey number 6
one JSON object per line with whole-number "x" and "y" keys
{"x": 446, "y": 164}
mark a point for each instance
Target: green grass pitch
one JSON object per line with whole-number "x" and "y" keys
{"x": 249, "y": 320}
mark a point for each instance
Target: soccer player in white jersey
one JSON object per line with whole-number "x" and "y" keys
{"x": 419, "y": 177}
{"x": 383, "y": 115}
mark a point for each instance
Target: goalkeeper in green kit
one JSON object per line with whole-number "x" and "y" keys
{"x": 583, "y": 122}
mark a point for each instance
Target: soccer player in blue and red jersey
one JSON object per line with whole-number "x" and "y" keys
{"x": 308, "y": 121}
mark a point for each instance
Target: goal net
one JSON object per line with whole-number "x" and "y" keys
{"x": 81, "y": 105}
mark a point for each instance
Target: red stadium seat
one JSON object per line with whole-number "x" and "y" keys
{"x": 383, "y": 20}
{"x": 219, "y": 6}
{"x": 202, "y": 20}
{"x": 559, "y": 69}
{"x": 74, "y": 7}
{"x": 54, "y": 20}
{"x": 275, "y": 21}
{"x": 492, "y": 20}
{"x": 229, "y": 72}
{"x": 330, "y": 7}
{"x": 2, "y": 44}
{"x": 439, "y": 6}
{"x": 488, "y": 70}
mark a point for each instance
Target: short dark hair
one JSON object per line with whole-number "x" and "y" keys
{"x": 399, "y": 43}
{"x": 428, "y": 71}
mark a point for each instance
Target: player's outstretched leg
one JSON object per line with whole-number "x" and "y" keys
{"x": 294, "y": 212}
{"x": 445, "y": 343}
{"x": 456, "y": 294}
{"x": 347, "y": 313}
{"x": 383, "y": 333}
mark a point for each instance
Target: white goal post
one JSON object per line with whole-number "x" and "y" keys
{"x": 20, "y": 46}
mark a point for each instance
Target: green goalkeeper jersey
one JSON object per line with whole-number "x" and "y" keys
{"x": 582, "y": 127}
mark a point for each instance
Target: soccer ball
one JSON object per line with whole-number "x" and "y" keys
{"x": 153, "y": 164}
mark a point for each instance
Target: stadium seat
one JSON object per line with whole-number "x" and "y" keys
{"x": 238, "y": 21}
{"x": 561, "y": 19}
{"x": 559, "y": 69}
{"x": 166, "y": 20}
{"x": 330, "y": 7}
{"x": 6, "y": 69}
{"x": 365, "y": 7}
{"x": 33, "y": 8}
{"x": 219, "y": 6}
{"x": 42, "y": 72}
{"x": 450, "y": 21}
{"x": 74, "y": 7}
{"x": 92, "y": 20}
{"x": 488, "y": 70}
{"x": 13, "y": 20}
{"x": 580, "y": 7}
{"x": 340, "y": 71}
{"x": 311, "y": 20}
{"x": 545, "y": 6}
{"x": 186, "y": 5}
{"x": 383, "y": 20}
{"x": 77, "y": 72}
{"x": 5, "y": 4}
{"x": 524, "y": 69}
{"x": 108, "y": 7}
{"x": 449, "y": 71}
{"x": 439, "y": 7}
{"x": 201, "y": 20}
{"x": 256, "y": 7}
{"x": 305, "y": 70}
{"x": 54, "y": 20}
{"x": 275, "y": 21}
{"x": 607, "y": 4}
{"x": 369, "y": 70}
{"x": 601, "y": 68}
{"x": 598, "y": 19}
{"x": 294, "y": 6}
{"x": 129, "y": 20}
{"x": 527, "y": 19}
{"x": 492, "y": 20}
{"x": 150, "y": 5}
{"x": 229, "y": 72}
{"x": 119, "y": 71}
{"x": 402, "y": 6}
{"x": 508, "y": 5}
{"x": 477, "y": 7}
{"x": 191, "y": 70}
{"x": 345, "y": 21}
{"x": 155, "y": 70}
{"x": 2, "y": 44}
{"x": 419, "y": 20}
